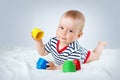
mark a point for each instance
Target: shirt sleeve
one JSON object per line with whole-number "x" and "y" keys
{"x": 47, "y": 46}
{"x": 51, "y": 44}
{"x": 88, "y": 54}
{"x": 81, "y": 54}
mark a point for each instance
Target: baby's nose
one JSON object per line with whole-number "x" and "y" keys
{"x": 64, "y": 32}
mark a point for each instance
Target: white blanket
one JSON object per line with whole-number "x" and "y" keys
{"x": 20, "y": 64}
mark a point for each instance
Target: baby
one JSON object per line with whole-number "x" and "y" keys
{"x": 64, "y": 46}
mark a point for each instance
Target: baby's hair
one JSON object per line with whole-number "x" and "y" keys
{"x": 77, "y": 16}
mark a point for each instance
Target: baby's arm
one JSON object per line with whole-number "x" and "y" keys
{"x": 95, "y": 54}
{"x": 37, "y": 35}
{"x": 40, "y": 47}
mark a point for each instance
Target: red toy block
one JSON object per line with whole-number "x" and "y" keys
{"x": 77, "y": 63}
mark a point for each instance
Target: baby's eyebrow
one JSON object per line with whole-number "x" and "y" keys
{"x": 71, "y": 28}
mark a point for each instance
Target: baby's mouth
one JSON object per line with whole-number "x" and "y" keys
{"x": 63, "y": 38}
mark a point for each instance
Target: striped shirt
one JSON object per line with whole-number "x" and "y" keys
{"x": 71, "y": 52}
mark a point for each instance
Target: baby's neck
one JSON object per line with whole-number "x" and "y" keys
{"x": 62, "y": 45}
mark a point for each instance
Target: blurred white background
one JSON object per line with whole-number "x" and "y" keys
{"x": 19, "y": 17}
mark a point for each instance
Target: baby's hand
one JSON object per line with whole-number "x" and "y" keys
{"x": 103, "y": 43}
{"x": 37, "y": 34}
{"x": 36, "y": 40}
{"x": 51, "y": 66}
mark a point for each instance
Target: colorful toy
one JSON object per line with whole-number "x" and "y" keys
{"x": 69, "y": 66}
{"x": 37, "y": 33}
{"x": 77, "y": 63}
{"x": 42, "y": 63}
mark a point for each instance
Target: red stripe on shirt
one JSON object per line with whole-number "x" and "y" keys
{"x": 61, "y": 50}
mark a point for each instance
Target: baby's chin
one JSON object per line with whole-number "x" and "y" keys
{"x": 63, "y": 40}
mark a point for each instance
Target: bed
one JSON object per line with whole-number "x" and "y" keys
{"x": 19, "y": 63}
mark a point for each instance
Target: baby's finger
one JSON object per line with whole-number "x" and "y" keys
{"x": 48, "y": 65}
{"x": 49, "y": 68}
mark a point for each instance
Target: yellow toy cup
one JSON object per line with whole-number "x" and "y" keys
{"x": 37, "y": 33}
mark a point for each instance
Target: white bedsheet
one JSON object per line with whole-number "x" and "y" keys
{"x": 20, "y": 64}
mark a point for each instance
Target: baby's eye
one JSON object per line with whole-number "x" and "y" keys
{"x": 61, "y": 27}
{"x": 70, "y": 31}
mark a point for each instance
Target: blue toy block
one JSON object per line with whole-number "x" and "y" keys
{"x": 42, "y": 63}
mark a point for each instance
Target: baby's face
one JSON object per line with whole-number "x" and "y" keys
{"x": 67, "y": 31}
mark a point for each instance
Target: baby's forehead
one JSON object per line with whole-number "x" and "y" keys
{"x": 72, "y": 20}
{"x": 67, "y": 21}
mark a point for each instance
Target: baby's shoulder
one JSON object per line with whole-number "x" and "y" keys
{"x": 53, "y": 38}
{"x": 77, "y": 45}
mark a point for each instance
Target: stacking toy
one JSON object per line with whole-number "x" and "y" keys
{"x": 42, "y": 63}
{"x": 69, "y": 66}
{"x": 37, "y": 33}
{"x": 77, "y": 63}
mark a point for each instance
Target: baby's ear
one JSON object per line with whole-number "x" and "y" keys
{"x": 80, "y": 34}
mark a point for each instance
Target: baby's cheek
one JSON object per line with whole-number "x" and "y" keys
{"x": 57, "y": 34}
{"x": 70, "y": 39}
